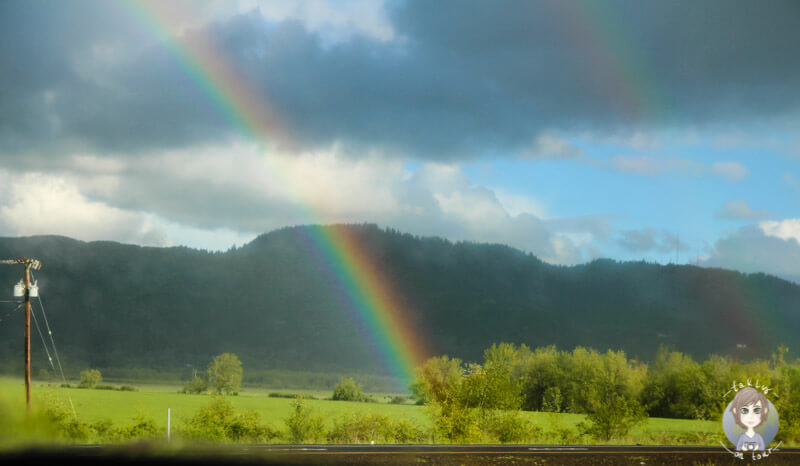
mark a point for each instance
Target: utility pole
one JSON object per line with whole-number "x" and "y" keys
{"x": 35, "y": 265}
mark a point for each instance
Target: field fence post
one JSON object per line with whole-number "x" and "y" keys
{"x": 168, "y": 422}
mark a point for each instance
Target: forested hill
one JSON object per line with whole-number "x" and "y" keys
{"x": 276, "y": 304}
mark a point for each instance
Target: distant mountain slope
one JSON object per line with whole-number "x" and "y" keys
{"x": 274, "y": 303}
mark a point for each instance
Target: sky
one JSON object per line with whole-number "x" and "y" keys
{"x": 633, "y": 130}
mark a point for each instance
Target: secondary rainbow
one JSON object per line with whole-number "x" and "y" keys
{"x": 370, "y": 297}
{"x": 623, "y": 67}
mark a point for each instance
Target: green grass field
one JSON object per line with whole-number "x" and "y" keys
{"x": 152, "y": 401}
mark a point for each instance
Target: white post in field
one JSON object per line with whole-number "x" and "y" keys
{"x": 168, "y": 419}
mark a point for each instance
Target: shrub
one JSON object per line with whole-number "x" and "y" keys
{"x": 128, "y": 388}
{"x": 104, "y": 387}
{"x": 196, "y": 385}
{"x": 219, "y": 421}
{"x": 90, "y": 378}
{"x": 454, "y": 421}
{"x": 349, "y": 390}
{"x": 291, "y": 395}
{"x": 361, "y": 428}
{"x": 143, "y": 428}
{"x": 507, "y": 426}
{"x": 463, "y": 401}
{"x": 303, "y": 424}
{"x": 399, "y": 400}
{"x": 105, "y": 432}
{"x": 566, "y": 436}
{"x": 613, "y": 398}
{"x": 366, "y": 428}
{"x": 64, "y": 421}
{"x": 405, "y": 431}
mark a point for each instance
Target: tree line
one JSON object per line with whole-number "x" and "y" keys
{"x": 615, "y": 392}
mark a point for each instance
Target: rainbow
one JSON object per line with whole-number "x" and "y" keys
{"x": 622, "y": 67}
{"x": 371, "y": 298}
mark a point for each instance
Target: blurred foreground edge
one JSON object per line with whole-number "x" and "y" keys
{"x": 390, "y": 454}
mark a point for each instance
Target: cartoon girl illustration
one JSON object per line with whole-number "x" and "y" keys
{"x": 750, "y": 409}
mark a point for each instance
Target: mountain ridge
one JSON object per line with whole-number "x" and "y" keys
{"x": 275, "y": 303}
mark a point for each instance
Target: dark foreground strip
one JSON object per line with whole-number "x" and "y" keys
{"x": 393, "y": 454}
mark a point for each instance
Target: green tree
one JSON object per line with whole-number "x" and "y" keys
{"x": 788, "y": 401}
{"x": 547, "y": 380}
{"x": 349, "y": 390}
{"x": 438, "y": 379}
{"x": 90, "y": 378}
{"x": 440, "y": 383}
{"x": 716, "y": 379}
{"x": 674, "y": 385}
{"x": 493, "y": 385}
{"x": 225, "y": 374}
{"x": 468, "y": 403}
{"x": 613, "y": 397}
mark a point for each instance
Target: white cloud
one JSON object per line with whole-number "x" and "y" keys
{"x": 751, "y": 250}
{"x": 338, "y": 19}
{"x": 214, "y": 239}
{"x": 730, "y": 171}
{"x": 476, "y": 206}
{"x": 552, "y": 146}
{"x": 213, "y": 197}
{"x": 40, "y": 204}
{"x": 462, "y": 211}
{"x": 786, "y": 229}
{"x": 516, "y": 204}
{"x": 739, "y": 210}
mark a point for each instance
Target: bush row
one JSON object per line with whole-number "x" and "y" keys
{"x": 121, "y": 388}
{"x": 615, "y": 392}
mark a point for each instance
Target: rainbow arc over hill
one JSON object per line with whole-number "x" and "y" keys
{"x": 370, "y": 296}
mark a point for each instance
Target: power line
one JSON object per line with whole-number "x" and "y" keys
{"x": 55, "y": 350}
{"x": 11, "y": 311}
{"x": 41, "y": 335}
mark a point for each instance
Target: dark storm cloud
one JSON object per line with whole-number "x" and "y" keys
{"x": 461, "y": 79}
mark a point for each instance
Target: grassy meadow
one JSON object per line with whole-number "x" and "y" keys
{"x": 121, "y": 408}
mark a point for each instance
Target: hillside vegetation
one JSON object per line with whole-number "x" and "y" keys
{"x": 276, "y": 303}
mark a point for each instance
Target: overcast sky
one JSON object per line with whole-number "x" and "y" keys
{"x": 663, "y": 131}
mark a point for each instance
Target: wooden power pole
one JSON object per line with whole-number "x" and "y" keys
{"x": 35, "y": 265}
